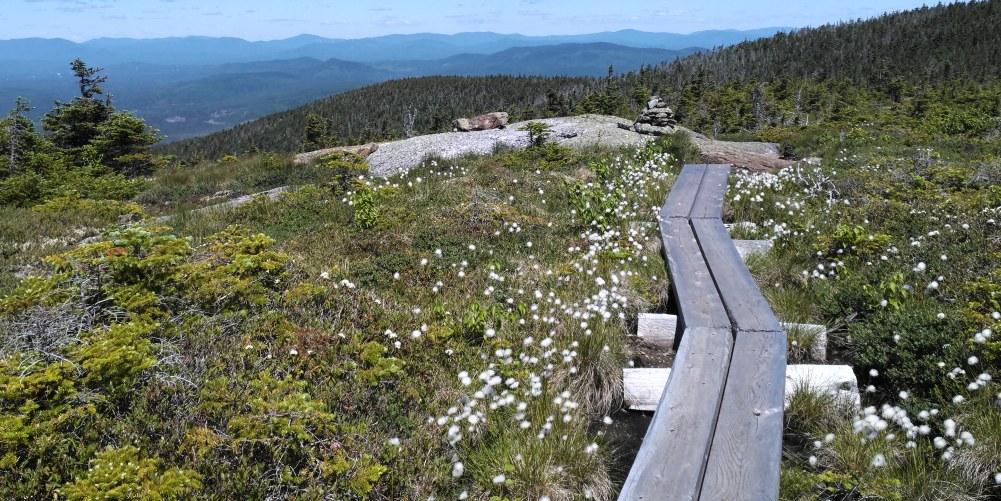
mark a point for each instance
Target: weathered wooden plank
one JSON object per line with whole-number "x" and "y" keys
{"x": 683, "y": 192}
{"x": 748, "y": 309}
{"x": 709, "y": 201}
{"x": 836, "y": 380}
{"x": 671, "y": 461}
{"x": 657, "y": 328}
{"x": 644, "y": 386}
{"x": 747, "y": 248}
{"x": 695, "y": 292}
{"x": 746, "y": 450}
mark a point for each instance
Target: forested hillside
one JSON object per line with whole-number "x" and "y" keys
{"x": 926, "y": 45}
{"x": 924, "y": 59}
{"x": 937, "y": 66}
{"x": 378, "y": 112}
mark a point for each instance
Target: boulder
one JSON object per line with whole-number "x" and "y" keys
{"x": 495, "y": 120}
{"x": 362, "y": 150}
{"x": 754, "y": 156}
{"x": 129, "y": 218}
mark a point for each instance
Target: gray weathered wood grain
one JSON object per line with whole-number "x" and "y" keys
{"x": 717, "y": 430}
{"x": 748, "y": 248}
{"x": 657, "y": 328}
{"x": 642, "y": 387}
{"x": 697, "y": 299}
{"x": 671, "y": 461}
{"x": 837, "y": 381}
{"x": 747, "y": 307}
{"x": 683, "y": 192}
{"x": 709, "y": 201}
{"x": 746, "y": 450}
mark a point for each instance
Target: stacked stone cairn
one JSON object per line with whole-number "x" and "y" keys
{"x": 657, "y": 119}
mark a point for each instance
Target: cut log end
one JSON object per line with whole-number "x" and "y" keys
{"x": 643, "y": 387}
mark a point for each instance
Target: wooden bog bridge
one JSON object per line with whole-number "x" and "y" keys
{"x": 716, "y": 433}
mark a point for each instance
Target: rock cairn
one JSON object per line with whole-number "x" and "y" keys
{"x": 657, "y": 119}
{"x": 658, "y": 114}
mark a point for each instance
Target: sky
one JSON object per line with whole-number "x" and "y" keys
{"x": 80, "y": 20}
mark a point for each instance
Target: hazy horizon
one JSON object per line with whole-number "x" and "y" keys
{"x": 454, "y": 33}
{"x": 261, "y": 20}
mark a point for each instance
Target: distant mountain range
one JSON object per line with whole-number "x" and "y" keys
{"x": 421, "y": 46}
{"x": 567, "y": 59}
{"x": 196, "y": 85}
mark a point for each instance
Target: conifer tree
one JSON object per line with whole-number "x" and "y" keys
{"x": 18, "y": 127}
{"x": 73, "y": 125}
{"x": 316, "y": 132}
{"x": 89, "y": 79}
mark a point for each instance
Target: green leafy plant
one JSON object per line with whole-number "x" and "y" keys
{"x": 366, "y": 211}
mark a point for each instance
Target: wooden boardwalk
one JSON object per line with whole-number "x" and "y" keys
{"x": 717, "y": 431}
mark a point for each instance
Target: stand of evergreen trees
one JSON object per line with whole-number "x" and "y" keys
{"x": 86, "y": 149}
{"x": 942, "y": 62}
{"x": 954, "y": 42}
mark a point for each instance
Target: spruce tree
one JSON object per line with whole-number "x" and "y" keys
{"x": 316, "y": 132}
{"x": 123, "y": 143}
{"x": 18, "y": 128}
{"x": 73, "y": 125}
{"x": 88, "y": 78}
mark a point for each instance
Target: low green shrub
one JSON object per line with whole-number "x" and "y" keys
{"x": 95, "y": 209}
{"x": 345, "y": 168}
{"x": 366, "y": 210}
{"x": 124, "y": 474}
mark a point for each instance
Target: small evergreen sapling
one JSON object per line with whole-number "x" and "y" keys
{"x": 538, "y": 132}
